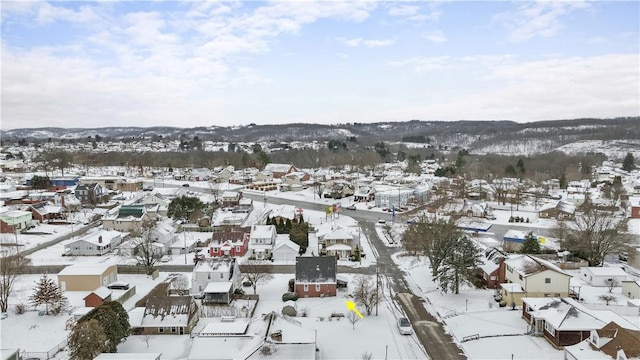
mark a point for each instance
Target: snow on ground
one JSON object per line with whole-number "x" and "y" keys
{"x": 49, "y": 330}
{"x": 474, "y": 311}
{"x": 337, "y": 339}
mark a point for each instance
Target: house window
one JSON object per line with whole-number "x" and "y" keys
{"x": 306, "y": 287}
{"x": 208, "y": 276}
{"x": 317, "y": 287}
{"x": 550, "y": 329}
{"x": 215, "y": 249}
{"x": 556, "y": 295}
{"x": 160, "y": 330}
{"x": 221, "y": 276}
{"x": 547, "y": 280}
{"x": 173, "y": 329}
{"x": 237, "y": 249}
{"x": 520, "y": 277}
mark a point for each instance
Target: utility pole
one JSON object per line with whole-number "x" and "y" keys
{"x": 377, "y": 286}
{"x": 184, "y": 237}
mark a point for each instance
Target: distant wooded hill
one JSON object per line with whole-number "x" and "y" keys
{"x": 477, "y": 136}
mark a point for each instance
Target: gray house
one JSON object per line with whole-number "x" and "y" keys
{"x": 93, "y": 244}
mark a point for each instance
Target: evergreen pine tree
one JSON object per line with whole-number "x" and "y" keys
{"x": 48, "y": 293}
{"x": 460, "y": 264}
{"x": 287, "y": 226}
{"x": 87, "y": 340}
{"x": 114, "y": 322}
{"x": 530, "y": 244}
{"x": 628, "y": 163}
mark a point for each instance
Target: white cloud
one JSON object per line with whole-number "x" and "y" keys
{"x": 378, "y": 43}
{"x": 435, "y": 36}
{"x": 596, "y": 40}
{"x": 370, "y": 43}
{"x": 355, "y": 42}
{"x": 558, "y": 88}
{"x": 404, "y": 10}
{"x": 533, "y": 19}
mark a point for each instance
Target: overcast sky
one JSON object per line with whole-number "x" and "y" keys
{"x": 147, "y": 63}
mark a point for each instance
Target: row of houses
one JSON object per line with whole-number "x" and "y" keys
{"x": 521, "y": 276}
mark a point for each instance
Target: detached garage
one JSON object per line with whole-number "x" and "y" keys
{"x": 86, "y": 277}
{"x": 601, "y": 276}
{"x": 285, "y": 251}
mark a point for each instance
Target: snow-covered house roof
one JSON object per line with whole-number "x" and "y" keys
{"x": 263, "y": 232}
{"x": 285, "y": 242}
{"x": 279, "y": 168}
{"x": 167, "y": 311}
{"x": 566, "y": 314}
{"x": 217, "y": 287}
{"x": 213, "y": 265}
{"x": 339, "y": 233}
{"x": 222, "y": 328}
{"x": 102, "y": 292}
{"x": 85, "y": 269}
{"x": 102, "y": 237}
{"x": 284, "y": 211}
{"x": 316, "y": 269}
{"x": 527, "y": 265}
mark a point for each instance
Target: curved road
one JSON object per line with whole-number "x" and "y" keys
{"x": 431, "y": 333}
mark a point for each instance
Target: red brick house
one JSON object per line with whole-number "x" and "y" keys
{"x": 280, "y": 170}
{"x": 14, "y": 220}
{"x": 315, "y": 276}
{"x": 493, "y": 268}
{"x": 44, "y": 211}
{"x": 97, "y": 297}
{"x": 564, "y": 321}
{"x": 230, "y": 243}
{"x": 635, "y": 211}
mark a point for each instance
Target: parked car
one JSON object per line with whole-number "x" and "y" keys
{"x": 351, "y": 207}
{"x": 118, "y": 285}
{"x": 404, "y": 326}
{"x": 198, "y": 296}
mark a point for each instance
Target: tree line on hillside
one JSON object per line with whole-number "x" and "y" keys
{"x": 455, "y": 162}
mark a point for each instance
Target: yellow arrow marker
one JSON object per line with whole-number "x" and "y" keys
{"x": 352, "y": 306}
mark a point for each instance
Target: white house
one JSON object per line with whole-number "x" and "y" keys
{"x": 631, "y": 289}
{"x": 285, "y": 250}
{"x": 261, "y": 241}
{"x": 530, "y": 276}
{"x": 164, "y": 234}
{"x": 98, "y": 243}
{"x": 215, "y": 270}
{"x": 602, "y": 276}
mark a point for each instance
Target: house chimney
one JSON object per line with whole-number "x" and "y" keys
{"x": 100, "y": 239}
{"x": 276, "y": 335}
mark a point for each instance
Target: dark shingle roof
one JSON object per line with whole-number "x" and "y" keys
{"x": 316, "y": 269}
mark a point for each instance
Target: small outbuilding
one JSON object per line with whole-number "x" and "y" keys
{"x": 603, "y": 276}
{"x": 97, "y": 297}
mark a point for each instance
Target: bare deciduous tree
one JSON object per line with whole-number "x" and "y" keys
{"x": 366, "y": 293}
{"x": 612, "y": 284}
{"x": 146, "y": 251}
{"x": 596, "y": 235}
{"x": 366, "y": 356}
{"x": 606, "y": 298}
{"x": 12, "y": 264}
{"x": 257, "y": 272}
{"x": 180, "y": 285}
{"x": 353, "y": 319}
